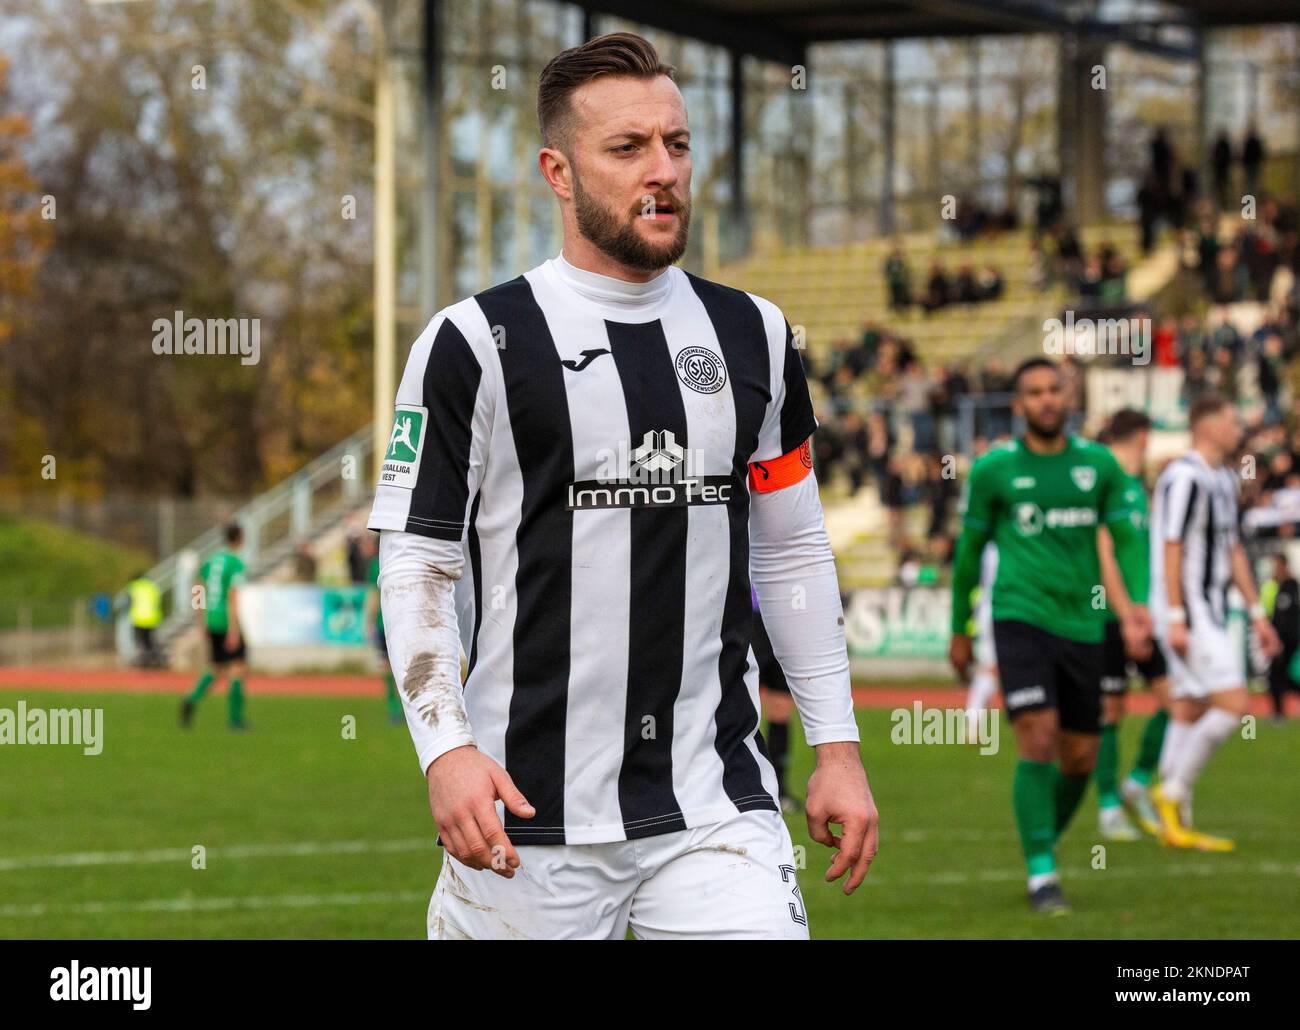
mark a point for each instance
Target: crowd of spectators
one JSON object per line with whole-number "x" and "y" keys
{"x": 942, "y": 288}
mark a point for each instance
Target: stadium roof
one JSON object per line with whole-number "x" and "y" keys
{"x": 780, "y": 30}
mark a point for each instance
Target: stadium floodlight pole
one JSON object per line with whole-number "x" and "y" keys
{"x": 385, "y": 231}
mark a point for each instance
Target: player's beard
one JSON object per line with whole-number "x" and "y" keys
{"x": 1046, "y": 431}
{"x": 619, "y": 239}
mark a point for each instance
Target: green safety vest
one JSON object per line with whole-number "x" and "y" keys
{"x": 146, "y": 603}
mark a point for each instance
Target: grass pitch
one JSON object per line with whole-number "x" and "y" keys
{"x": 309, "y": 834}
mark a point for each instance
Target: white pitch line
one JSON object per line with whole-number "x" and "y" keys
{"x": 286, "y": 849}
{"x": 251, "y": 902}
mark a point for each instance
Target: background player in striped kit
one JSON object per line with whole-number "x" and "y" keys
{"x": 597, "y": 457}
{"x": 1126, "y": 434}
{"x": 1195, "y": 553}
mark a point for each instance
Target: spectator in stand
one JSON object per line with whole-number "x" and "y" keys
{"x": 914, "y": 402}
{"x": 967, "y": 291}
{"x": 1196, "y": 379}
{"x": 1221, "y": 164}
{"x": 1040, "y": 276}
{"x": 899, "y": 280}
{"x": 990, "y": 284}
{"x": 1252, "y": 160}
{"x": 949, "y": 385}
{"x": 1270, "y": 368}
{"x": 1224, "y": 375}
{"x": 1162, "y": 162}
{"x": 1164, "y": 341}
{"x": 1149, "y": 204}
{"x": 1090, "y": 281}
{"x": 1284, "y": 602}
{"x": 1069, "y": 256}
{"x": 938, "y": 290}
{"x": 940, "y": 493}
{"x": 1230, "y": 282}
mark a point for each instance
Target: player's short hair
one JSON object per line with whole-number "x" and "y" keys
{"x": 1028, "y": 365}
{"x": 1205, "y": 405}
{"x": 615, "y": 53}
{"x": 1124, "y": 425}
{"x": 234, "y": 533}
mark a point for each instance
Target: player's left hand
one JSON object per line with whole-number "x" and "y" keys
{"x": 232, "y": 639}
{"x": 838, "y": 792}
{"x": 1269, "y": 642}
{"x": 1136, "y": 631}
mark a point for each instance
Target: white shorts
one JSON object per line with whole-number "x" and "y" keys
{"x": 734, "y": 879}
{"x": 1214, "y": 663}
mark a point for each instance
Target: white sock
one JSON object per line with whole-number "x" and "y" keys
{"x": 1204, "y": 738}
{"x": 1039, "y": 879}
{"x": 983, "y": 686}
{"x": 1175, "y": 734}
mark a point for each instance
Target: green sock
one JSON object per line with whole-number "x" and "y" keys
{"x": 1153, "y": 739}
{"x": 1069, "y": 792}
{"x": 390, "y": 694}
{"x": 236, "y": 702}
{"x": 201, "y": 687}
{"x": 1107, "y": 770}
{"x": 1033, "y": 795}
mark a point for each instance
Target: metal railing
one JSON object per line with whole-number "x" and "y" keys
{"x": 311, "y": 500}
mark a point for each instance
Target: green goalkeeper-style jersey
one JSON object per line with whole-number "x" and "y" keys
{"x": 223, "y": 570}
{"x": 1134, "y": 558}
{"x": 1042, "y": 511}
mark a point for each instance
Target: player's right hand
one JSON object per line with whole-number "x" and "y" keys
{"x": 959, "y": 654}
{"x": 1178, "y": 638}
{"x": 464, "y": 785}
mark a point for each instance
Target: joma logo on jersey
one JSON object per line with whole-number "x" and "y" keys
{"x": 659, "y": 474}
{"x": 402, "y": 458}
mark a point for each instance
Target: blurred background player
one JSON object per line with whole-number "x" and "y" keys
{"x": 1126, "y": 435}
{"x": 1041, "y": 498}
{"x": 778, "y": 706}
{"x": 220, "y": 577}
{"x": 984, "y": 683}
{"x": 1281, "y": 599}
{"x": 374, "y": 617}
{"x": 1195, "y": 554}
{"x": 146, "y": 613}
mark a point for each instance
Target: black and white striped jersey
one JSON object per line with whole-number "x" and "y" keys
{"x": 1197, "y": 504}
{"x": 587, "y": 442}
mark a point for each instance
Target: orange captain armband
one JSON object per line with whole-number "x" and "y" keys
{"x": 777, "y": 474}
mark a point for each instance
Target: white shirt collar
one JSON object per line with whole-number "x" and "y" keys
{"x": 605, "y": 289}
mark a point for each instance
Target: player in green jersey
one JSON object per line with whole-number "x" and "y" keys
{"x": 374, "y": 616}
{"x": 1041, "y": 499}
{"x": 220, "y": 578}
{"x": 1126, "y": 435}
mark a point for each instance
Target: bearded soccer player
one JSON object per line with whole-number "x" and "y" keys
{"x": 594, "y": 460}
{"x": 1196, "y": 554}
{"x": 1041, "y": 499}
{"x": 1126, "y": 435}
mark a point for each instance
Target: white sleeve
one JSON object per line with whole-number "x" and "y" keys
{"x": 417, "y": 577}
{"x": 793, "y": 572}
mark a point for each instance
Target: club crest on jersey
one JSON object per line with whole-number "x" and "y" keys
{"x": 701, "y": 370}
{"x": 402, "y": 458}
{"x": 1084, "y": 476}
{"x": 658, "y": 473}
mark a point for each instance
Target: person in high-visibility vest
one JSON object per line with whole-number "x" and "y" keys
{"x": 146, "y": 614}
